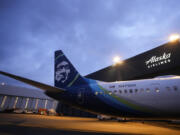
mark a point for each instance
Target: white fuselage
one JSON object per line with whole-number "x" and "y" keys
{"x": 161, "y": 94}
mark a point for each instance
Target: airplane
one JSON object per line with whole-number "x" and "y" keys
{"x": 156, "y": 98}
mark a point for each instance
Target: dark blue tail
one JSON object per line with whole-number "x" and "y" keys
{"x": 65, "y": 74}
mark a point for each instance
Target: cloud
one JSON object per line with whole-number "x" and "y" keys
{"x": 90, "y": 32}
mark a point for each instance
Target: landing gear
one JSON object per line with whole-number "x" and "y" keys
{"x": 103, "y": 117}
{"x": 121, "y": 119}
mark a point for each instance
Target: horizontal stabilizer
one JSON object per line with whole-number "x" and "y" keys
{"x": 33, "y": 83}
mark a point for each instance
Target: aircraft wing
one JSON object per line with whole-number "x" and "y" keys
{"x": 34, "y": 83}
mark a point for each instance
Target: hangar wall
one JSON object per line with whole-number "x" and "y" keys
{"x": 163, "y": 60}
{"x": 12, "y": 97}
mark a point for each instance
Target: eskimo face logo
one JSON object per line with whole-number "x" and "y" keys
{"x": 62, "y": 71}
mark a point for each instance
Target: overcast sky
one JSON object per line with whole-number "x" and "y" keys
{"x": 90, "y": 32}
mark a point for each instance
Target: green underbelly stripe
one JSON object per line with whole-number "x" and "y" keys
{"x": 125, "y": 102}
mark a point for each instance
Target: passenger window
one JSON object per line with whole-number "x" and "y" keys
{"x": 142, "y": 90}
{"x": 147, "y": 90}
{"x": 110, "y": 93}
{"x": 168, "y": 88}
{"x": 136, "y": 90}
{"x": 130, "y": 91}
{"x": 125, "y": 91}
{"x": 175, "y": 88}
{"x": 157, "y": 89}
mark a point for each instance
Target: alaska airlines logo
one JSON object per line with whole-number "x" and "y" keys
{"x": 156, "y": 61}
{"x": 62, "y": 71}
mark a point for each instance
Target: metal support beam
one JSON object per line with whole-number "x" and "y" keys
{"x": 37, "y": 101}
{"x": 46, "y": 101}
{"x": 15, "y": 102}
{"x": 3, "y": 102}
{"x": 27, "y": 101}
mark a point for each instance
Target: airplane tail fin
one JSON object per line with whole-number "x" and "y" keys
{"x": 65, "y": 74}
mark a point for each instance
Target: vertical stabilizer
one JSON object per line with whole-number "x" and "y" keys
{"x": 65, "y": 74}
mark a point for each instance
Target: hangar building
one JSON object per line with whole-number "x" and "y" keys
{"x": 163, "y": 60}
{"x": 26, "y": 99}
{"x": 13, "y": 97}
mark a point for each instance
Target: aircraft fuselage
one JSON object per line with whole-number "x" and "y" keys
{"x": 157, "y": 97}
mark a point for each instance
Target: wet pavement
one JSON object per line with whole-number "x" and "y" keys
{"x": 20, "y": 124}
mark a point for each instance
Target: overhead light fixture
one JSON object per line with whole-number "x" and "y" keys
{"x": 117, "y": 60}
{"x": 174, "y": 37}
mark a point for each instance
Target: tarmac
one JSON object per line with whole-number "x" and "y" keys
{"x": 32, "y": 124}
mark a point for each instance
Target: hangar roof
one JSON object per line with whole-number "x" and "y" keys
{"x": 22, "y": 91}
{"x": 162, "y": 60}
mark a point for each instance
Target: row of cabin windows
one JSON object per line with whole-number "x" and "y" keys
{"x": 175, "y": 88}
{"x": 136, "y": 90}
